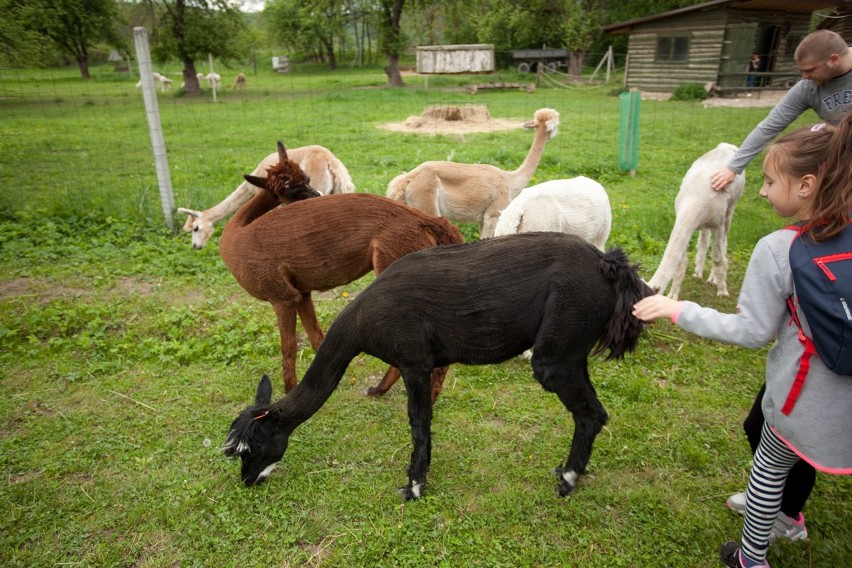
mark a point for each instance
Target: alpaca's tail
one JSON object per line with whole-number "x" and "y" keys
{"x": 396, "y": 188}
{"x": 622, "y": 332}
{"x": 676, "y": 249}
{"x": 341, "y": 180}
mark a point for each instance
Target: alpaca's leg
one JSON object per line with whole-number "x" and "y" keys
{"x": 489, "y": 221}
{"x": 701, "y": 251}
{"x": 286, "y": 315}
{"x": 572, "y": 385}
{"x": 308, "y": 315}
{"x": 719, "y": 272}
{"x": 392, "y": 375}
{"x": 420, "y": 418}
{"x": 680, "y": 272}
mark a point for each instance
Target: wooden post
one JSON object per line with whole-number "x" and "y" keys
{"x": 213, "y": 82}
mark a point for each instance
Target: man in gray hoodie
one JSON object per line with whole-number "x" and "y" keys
{"x": 825, "y": 62}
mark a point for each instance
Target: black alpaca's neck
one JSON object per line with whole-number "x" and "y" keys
{"x": 320, "y": 380}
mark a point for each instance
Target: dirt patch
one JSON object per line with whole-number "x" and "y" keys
{"x": 453, "y": 119}
{"x": 758, "y": 99}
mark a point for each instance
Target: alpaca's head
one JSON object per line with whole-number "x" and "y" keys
{"x": 285, "y": 180}
{"x": 546, "y": 120}
{"x": 257, "y": 438}
{"x": 201, "y": 228}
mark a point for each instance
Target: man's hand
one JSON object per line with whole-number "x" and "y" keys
{"x": 721, "y": 179}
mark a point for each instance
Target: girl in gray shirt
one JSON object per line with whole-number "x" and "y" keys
{"x": 807, "y": 175}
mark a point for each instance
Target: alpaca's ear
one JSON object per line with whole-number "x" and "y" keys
{"x": 190, "y": 212}
{"x": 256, "y": 181}
{"x": 282, "y": 152}
{"x": 264, "y": 392}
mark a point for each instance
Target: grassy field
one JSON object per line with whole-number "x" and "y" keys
{"x": 125, "y": 354}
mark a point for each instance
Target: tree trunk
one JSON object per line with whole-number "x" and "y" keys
{"x": 392, "y": 39}
{"x": 190, "y": 79}
{"x": 329, "y": 50}
{"x": 392, "y": 71}
{"x": 83, "y": 65}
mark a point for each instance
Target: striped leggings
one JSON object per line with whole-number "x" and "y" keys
{"x": 772, "y": 462}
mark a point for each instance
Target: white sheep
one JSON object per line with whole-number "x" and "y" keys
{"x": 473, "y": 193}
{"x": 577, "y": 206}
{"x": 699, "y": 208}
{"x": 326, "y": 172}
{"x": 164, "y": 82}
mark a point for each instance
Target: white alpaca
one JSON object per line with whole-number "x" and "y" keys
{"x": 577, "y": 206}
{"x": 473, "y": 193}
{"x": 213, "y": 79}
{"x": 699, "y": 208}
{"x": 162, "y": 80}
{"x": 326, "y": 172}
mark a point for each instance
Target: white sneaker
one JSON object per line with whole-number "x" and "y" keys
{"x": 737, "y": 502}
{"x": 785, "y": 527}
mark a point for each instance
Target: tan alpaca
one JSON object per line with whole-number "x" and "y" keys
{"x": 327, "y": 174}
{"x": 239, "y": 81}
{"x": 700, "y": 208}
{"x": 473, "y": 193}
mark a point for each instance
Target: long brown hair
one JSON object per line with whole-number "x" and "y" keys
{"x": 825, "y": 152}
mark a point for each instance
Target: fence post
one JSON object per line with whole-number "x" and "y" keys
{"x": 628, "y": 132}
{"x": 155, "y": 128}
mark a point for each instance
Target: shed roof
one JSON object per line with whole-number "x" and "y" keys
{"x": 794, "y": 6}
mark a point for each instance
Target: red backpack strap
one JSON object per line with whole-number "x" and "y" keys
{"x": 804, "y": 363}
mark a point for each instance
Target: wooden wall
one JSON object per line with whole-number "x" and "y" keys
{"x": 707, "y": 33}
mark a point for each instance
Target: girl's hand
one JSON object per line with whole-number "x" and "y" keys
{"x": 654, "y": 307}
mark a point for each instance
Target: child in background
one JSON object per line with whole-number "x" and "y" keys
{"x": 807, "y": 176}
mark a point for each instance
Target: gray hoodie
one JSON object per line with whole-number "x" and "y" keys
{"x": 819, "y": 427}
{"x": 831, "y": 102}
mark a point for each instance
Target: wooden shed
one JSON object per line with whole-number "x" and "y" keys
{"x": 710, "y": 43}
{"x": 472, "y": 58}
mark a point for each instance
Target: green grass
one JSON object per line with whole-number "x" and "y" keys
{"x": 126, "y": 354}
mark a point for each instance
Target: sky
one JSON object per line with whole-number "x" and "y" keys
{"x": 253, "y": 5}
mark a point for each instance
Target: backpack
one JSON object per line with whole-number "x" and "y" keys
{"x": 822, "y": 275}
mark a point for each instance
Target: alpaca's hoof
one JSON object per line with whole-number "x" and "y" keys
{"x": 567, "y": 481}
{"x": 411, "y": 492}
{"x": 374, "y": 391}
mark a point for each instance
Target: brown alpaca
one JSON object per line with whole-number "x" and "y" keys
{"x": 473, "y": 193}
{"x": 239, "y": 81}
{"x": 281, "y": 255}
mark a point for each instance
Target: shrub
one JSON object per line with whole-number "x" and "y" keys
{"x": 690, "y": 92}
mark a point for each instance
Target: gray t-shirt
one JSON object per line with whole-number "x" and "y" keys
{"x": 830, "y": 101}
{"x": 818, "y": 427}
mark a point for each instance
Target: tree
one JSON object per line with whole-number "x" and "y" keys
{"x": 308, "y": 24}
{"x": 73, "y": 26}
{"x": 391, "y": 39}
{"x": 190, "y": 30}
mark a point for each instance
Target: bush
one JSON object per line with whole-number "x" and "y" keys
{"x": 690, "y": 92}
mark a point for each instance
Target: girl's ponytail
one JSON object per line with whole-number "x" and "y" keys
{"x": 832, "y": 199}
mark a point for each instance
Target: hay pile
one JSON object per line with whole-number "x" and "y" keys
{"x": 453, "y": 119}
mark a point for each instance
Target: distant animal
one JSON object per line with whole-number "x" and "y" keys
{"x": 698, "y": 207}
{"x": 577, "y": 206}
{"x": 326, "y": 172}
{"x": 213, "y": 79}
{"x": 239, "y": 81}
{"x": 281, "y": 255}
{"x": 473, "y": 193}
{"x": 159, "y": 79}
{"x": 477, "y": 303}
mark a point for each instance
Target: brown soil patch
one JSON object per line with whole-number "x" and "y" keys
{"x": 453, "y": 119}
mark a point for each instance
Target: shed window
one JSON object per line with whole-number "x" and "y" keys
{"x": 672, "y": 48}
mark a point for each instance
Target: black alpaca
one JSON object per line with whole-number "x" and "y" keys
{"x": 476, "y": 303}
